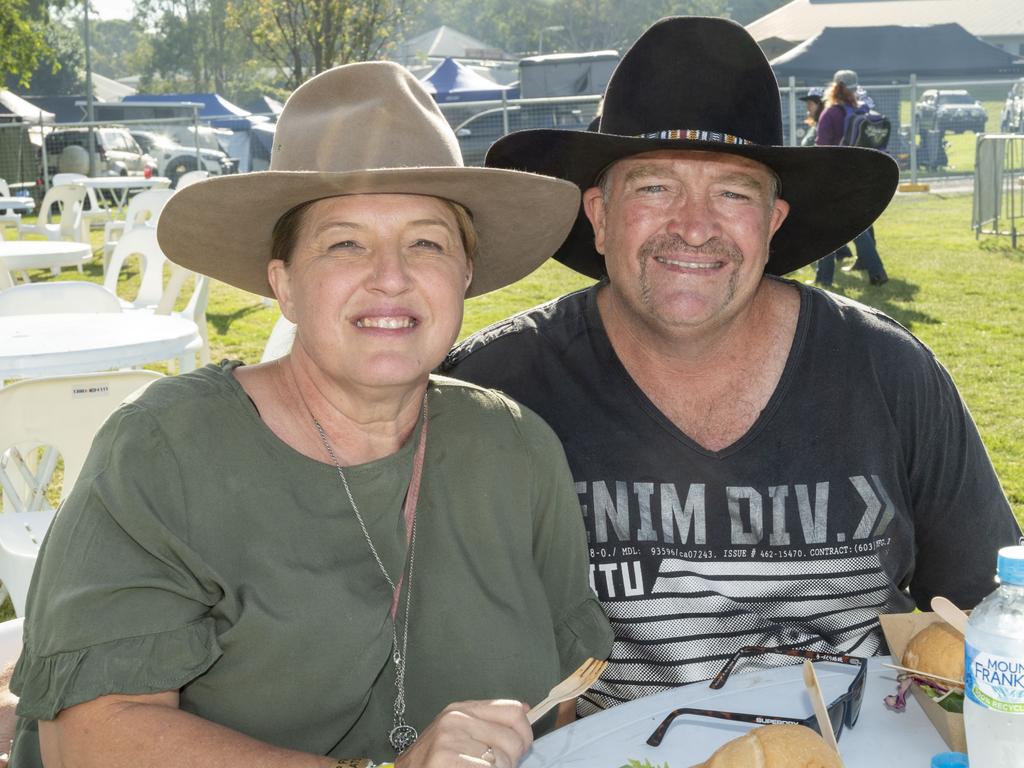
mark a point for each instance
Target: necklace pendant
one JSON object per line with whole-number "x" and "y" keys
{"x": 402, "y": 737}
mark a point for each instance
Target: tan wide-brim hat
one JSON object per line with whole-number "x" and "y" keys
{"x": 361, "y": 129}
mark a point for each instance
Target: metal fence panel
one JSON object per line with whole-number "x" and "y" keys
{"x": 919, "y": 149}
{"x": 999, "y": 186}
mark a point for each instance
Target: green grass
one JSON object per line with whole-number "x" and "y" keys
{"x": 960, "y": 296}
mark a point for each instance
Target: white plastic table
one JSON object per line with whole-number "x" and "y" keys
{"x": 611, "y": 738}
{"x": 17, "y": 204}
{"x": 19, "y": 255}
{"x": 49, "y": 345}
{"x": 120, "y": 186}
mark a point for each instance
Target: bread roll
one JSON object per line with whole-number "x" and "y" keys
{"x": 775, "y": 746}
{"x": 938, "y": 649}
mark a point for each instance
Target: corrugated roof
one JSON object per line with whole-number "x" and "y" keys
{"x": 803, "y": 19}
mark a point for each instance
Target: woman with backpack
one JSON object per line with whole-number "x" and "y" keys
{"x": 840, "y": 103}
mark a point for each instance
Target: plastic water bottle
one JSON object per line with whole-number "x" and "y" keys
{"x": 994, "y": 670}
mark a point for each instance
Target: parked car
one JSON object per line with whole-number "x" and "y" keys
{"x": 1013, "y": 110}
{"x": 174, "y": 159}
{"x": 476, "y": 134}
{"x": 955, "y": 111}
{"x": 117, "y": 153}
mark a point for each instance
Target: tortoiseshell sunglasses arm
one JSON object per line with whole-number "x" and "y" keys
{"x": 661, "y": 730}
{"x": 756, "y": 650}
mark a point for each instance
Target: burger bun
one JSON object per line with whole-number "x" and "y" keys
{"x": 775, "y": 746}
{"x": 937, "y": 649}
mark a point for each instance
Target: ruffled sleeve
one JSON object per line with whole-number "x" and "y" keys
{"x": 583, "y": 633}
{"x": 119, "y": 602}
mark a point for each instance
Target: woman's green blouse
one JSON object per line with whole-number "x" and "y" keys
{"x": 199, "y": 552}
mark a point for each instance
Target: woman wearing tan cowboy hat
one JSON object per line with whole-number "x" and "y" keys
{"x": 305, "y": 563}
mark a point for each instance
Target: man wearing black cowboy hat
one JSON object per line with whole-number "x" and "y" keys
{"x": 758, "y": 462}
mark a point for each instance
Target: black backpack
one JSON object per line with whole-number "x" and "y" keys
{"x": 864, "y": 127}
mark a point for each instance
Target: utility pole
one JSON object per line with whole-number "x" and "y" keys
{"x": 88, "y": 94}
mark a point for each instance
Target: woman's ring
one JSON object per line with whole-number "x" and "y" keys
{"x": 488, "y": 755}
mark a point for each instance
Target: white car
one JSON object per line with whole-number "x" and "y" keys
{"x": 174, "y": 159}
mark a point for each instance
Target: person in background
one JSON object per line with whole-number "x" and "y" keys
{"x": 813, "y": 101}
{"x": 728, "y": 500}
{"x": 840, "y": 100}
{"x": 275, "y": 565}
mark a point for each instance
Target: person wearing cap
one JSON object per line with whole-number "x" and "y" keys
{"x": 840, "y": 99}
{"x": 813, "y": 100}
{"x": 274, "y": 564}
{"x": 758, "y": 462}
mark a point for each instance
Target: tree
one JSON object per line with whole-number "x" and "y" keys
{"x": 61, "y": 68}
{"x": 513, "y": 26}
{"x": 21, "y": 41}
{"x": 746, "y": 11}
{"x": 115, "y": 46}
{"x": 516, "y": 26}
{"x": 192, "y": 45}
{"x": 591, "y": 25}
{"x": 305, "y": 37}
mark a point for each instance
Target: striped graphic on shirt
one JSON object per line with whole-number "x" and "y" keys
{"x": 699, "y": 612}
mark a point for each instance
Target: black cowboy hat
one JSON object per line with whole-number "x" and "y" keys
{"x": 703, "y": 84}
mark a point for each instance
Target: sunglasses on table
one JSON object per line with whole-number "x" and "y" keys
{"x": 843, "y": 711}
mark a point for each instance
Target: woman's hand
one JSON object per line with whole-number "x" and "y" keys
{"x": 472, "y": 733}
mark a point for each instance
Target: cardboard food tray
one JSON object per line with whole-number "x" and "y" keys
{"x": 898, "y": 629}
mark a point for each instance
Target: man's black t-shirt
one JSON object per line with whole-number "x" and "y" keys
{"x": 862, "y": 488}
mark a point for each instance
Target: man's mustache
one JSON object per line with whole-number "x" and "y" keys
{"x": 673, "y": 246}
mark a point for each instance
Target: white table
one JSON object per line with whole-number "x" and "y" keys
{"x": 19, "y": 255}
{"x": 49, "y": 345}
{"x": 120, "y": 186}
{"x": 610, "y": 738}
{"x": 17, "y": 204}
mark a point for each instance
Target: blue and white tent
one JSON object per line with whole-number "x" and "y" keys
{"x": 217, "y": 111}
{"x": 451, "y": 81}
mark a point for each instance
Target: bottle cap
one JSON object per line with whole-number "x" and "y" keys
{"x": 950, "y": 760}
{"x": 1010, "y": 565}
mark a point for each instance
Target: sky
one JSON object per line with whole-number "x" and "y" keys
{"x": 113, "y": 9}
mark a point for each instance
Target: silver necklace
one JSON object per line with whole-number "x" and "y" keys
{"x": 402, "y": 735}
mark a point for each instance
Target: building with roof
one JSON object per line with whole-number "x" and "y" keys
{"x": 997, "y": 22}
{"x": 444, "y": 43}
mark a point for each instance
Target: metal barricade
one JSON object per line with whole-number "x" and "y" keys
{"x": 999, "y": 186}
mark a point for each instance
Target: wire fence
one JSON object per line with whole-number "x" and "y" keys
{"x": 934, "y": 130}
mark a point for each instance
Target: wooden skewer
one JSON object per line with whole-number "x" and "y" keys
{"x": 919, "y": 673}
{"x": 950, "y": 614}
{"x": 818, "y": 702}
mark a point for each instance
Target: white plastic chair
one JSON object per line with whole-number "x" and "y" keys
{"x": 57, "y": 298}
{"x": 141, "y": 242}
{"x": 10, "y": 640}
{"x": 93, "y": 211}
{"x": 8, "y": 217}
{"x": 69, "y": 198}
{"x": 280, "y": 341}
{"x": 191, "y": 178}
{"x": 195, "y": 309}
{"x": 60, "y": 414}
{"x": 143, "y": 211}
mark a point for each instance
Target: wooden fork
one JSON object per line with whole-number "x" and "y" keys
{"x": 570, "y": 688}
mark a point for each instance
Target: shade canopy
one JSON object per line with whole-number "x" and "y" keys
{"x": 13, "y": 108}
{"x": 218, "y": 111}
{"x": 892, "y": 53}
{"x": 451, "y": 81}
